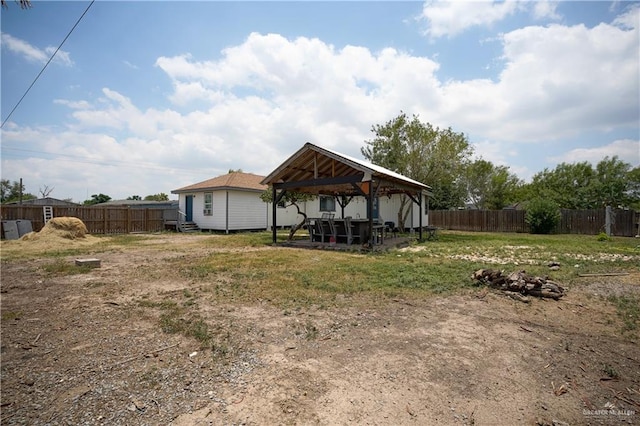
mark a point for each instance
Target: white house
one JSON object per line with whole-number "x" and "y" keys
{"x": 232, "y": 202}
{"x": 227, "y": 203}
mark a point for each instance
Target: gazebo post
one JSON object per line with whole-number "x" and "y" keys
{"x": 274, "y": 210}
{"x": 420, "y": 215}
{"x": 370, "y": 212}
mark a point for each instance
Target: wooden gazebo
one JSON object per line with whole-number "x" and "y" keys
{"x": 320, "y": 171}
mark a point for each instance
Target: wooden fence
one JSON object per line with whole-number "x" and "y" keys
{"x": 588, "y": 222}
{"x": 99, "y": 220}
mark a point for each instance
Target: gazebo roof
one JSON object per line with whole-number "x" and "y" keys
{"x": 316, "y": 170}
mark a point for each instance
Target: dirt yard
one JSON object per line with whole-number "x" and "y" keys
{"x": 89, "y": 349}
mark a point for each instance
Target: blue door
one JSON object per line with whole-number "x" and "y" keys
{"x": 376, "y": 208}
{"x": 188, "y": 208}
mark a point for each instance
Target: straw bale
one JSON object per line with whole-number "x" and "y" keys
{"x": 70, "y": 228}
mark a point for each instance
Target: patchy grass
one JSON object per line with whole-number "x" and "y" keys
{"x": 245, "y": 266}
{"x": 185, "y": 319}
{"x": 628, "y": 308}
{"x": 61, "y": 267}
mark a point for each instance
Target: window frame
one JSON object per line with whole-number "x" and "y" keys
{"x": 323, "y": 199}
{"x": 207, "y": 208}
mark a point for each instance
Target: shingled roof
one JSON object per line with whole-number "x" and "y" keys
{"x": 233, "y": 180}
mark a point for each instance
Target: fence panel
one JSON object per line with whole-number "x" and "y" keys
{"x": 588, "y": 222}
{"x": 112, "y": 220}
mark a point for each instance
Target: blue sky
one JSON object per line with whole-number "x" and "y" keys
{"x": 145, "y": 97}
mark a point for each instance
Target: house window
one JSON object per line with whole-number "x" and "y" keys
{"x": 208, "y": 204}
{"x": 327, "y": 203}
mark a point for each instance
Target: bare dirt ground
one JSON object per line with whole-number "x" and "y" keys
{"x": 85, "y": 349}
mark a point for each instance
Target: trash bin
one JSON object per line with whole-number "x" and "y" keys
{"x": 24, "y": 227}
{"x": 10, "y": 229}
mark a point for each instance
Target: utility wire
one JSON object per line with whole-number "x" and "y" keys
{"x": 45, "y": 65}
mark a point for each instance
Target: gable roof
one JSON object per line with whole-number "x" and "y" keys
{"x": 233, "y": 180}
{"x": 319, "y": 170}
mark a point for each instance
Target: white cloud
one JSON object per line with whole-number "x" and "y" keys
{"x": 627, "y": 150}
{"x": 34, "y": 54}
{"x": 450, "y": 18}
{"x": 562, "y": 80}
{"x": 130, "y": 65}
{"x": 546, "y": 9}
{"x": 262, "y": 99}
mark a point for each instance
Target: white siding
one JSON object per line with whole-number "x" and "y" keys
{"x": 246, "y": 211}
{"x": 285, "y": 217}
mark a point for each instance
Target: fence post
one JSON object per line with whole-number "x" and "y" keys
{"x": 607, "y": 221}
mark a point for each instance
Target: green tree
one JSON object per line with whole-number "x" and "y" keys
{"x": 542, "y": 215}
{"x": 134, "y": 198}
{"x": 428, "y": 154}
{"x": 157, "y": 197}
{"x": 97, "y": 199}
{"x": 11, "y": 191}
{"x": 581, "y": 186}
{"x": 613, "y": 185}
{"x": 633, "y": 190}
{"x": 290, "y": 198}
{"x": 490, "y": 187}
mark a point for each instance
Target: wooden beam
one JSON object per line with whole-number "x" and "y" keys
{"x": 340, "y": 180}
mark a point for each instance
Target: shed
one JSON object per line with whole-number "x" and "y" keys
{"x": 320, "y": 171}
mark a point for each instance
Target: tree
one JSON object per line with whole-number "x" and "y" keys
{"x": 24, "y": 4}
{"x": 490, "y": 187}
{"x": 580, "y": 186}
{"x": 44, "y": 192}
{"x": 134, "y": 198}
{"x": 613, "y": 184}
{"x": 97, "y": 199}
{"x": 157, "y": 197}
{"x": 434, "y": 156}
{"x": 633, "y": 190}
{"x": 13, "y": 191}
{"x": 290, "y": 198}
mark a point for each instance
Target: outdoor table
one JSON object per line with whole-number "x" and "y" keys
{"x": 432, "y": 232}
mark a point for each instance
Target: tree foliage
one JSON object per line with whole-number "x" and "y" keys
{"x": 97, "y": 199}
{"x": 24, "y": 4}
{"x": 542, "y": 215}
{"x": 10, "y": 191}
{"x": 290, "y": 198}
{"x": 157, "y": 197}
{"x": 581, "y": 186}
{"x": 491, "y": 187}
{"x": 134, "y": 198}
{"x": 428, "y": 154}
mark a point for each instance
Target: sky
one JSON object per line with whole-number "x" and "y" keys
{"x": 147, "y": 97}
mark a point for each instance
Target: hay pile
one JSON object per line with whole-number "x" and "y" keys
{"x": 70, "y": 228}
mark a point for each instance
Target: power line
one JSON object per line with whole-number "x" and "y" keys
{"x": 45, "y": 65}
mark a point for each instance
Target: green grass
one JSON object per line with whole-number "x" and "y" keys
{"x": 61, "y": 267}
{"x": 290, "y": 277}
{"x": 293, "y": 277}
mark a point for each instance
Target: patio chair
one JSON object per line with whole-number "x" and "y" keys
{"x": 327, "y": 226}
{"x": 347, "y": 231}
